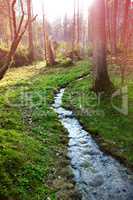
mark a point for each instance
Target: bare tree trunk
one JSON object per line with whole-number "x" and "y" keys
{"x": 73, "y": 31}
{"x": 49, "y": 52}
{"x": 51, "y": 57}
{"x": 78, "y": 32}
{"x": 125, "y": 39}
{"x": 30, "y": 32}
{"x": 78, "y": 25}
{"x": 44, "y": 34}
{"x": 102, "y": 81}
{"x": 10, "y": 18}
{"x": 114, "y": 25}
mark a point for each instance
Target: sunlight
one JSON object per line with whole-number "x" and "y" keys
{"x": 66, "y": 99}
{"x": 57, "y": 9}
{"x": 90, "y": 3}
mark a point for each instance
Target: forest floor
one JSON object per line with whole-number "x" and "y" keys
{"x": 104, "y": 118}
{"x": 33, "y": 148}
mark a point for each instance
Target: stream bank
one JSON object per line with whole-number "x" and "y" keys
{"x": 97, "y": 175}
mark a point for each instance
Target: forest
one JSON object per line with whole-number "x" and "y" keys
{"x": 66, "y": 100}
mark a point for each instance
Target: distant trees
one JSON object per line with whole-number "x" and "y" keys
{"x": 76, "y": 30}
{"x": 66, "y": 31}
{"x": 119, "y": 18}
{"x": 108, "y": 28}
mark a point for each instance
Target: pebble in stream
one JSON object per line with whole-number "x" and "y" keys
{"x": 97, "y": 175}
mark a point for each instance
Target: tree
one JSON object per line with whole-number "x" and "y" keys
{"x": 125, "y": 34}
{"x": 10, "y": 18}
{"x": 19, "y": 31}
{"x": 44, "y": 39}
{"x": 30, "y": 32}
{"x": 65, "y": 29}
{"x": 4, "y": 19}
{"x": 73, "y": 31}
{"x": 114, "y": 27}
{"x": 102, "y": 81}
{"x": 78, "y": 31}
{"x": 48, "y": 47}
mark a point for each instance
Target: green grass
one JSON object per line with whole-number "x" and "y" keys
{"x": 112, "y": 130}
{"x": 30, "y": 134}
{"x": 31, "y": 137}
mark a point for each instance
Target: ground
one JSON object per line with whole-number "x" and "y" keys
{"x": 33, "y": 149}
{"x": 33, "y": 154}
{"x": 111, "y": 127}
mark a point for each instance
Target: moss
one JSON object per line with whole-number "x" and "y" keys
{"x": 30, "y": 133}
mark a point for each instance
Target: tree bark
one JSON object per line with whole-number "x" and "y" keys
{"x": 10, "y": 19}
{"x": 30, "y": 32}
{"x": 102, "y": 81}
{"x": 44, "y": 34}
{"x": 114, "y": 25}
{"x": 73, "y": 31}
{"x": 125, "y": 39}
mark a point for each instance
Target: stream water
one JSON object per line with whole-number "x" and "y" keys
{"x": 97, "y": 175}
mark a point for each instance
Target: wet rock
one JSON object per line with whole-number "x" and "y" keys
{"x": 85, "y": 165}
{"x": 67, "y": 172}
{"x": 94, "y": 193}
{"x": 94, "y": 152}
{"x": 86, "y": 152}
{"x": 97, "y": 181}
{"x": 66, "y": 114}
{"x": 83, "y": 141}
{"x": 56, "y": 106}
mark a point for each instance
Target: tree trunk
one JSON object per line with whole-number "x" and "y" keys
{"x": 44, "y": 34}
{"x": 49, "y": 52}
{"x": 73, "y": 31}
{"x": 10, "y": 57}
{"x": 51, "y": 57}
{"x": 125, "y": 34}
{"x": 30, "y": 32}
{"x": 10, "y": 19}
{"x": 102, "y": 81}
{"x": 114, "y": 25}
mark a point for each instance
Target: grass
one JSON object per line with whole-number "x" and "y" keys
{"x": 31, "y": 137}
{"x": 112, "y": 129}
{"x": 32, "y": 140}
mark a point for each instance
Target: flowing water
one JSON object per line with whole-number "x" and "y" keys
{"x": 97, "y": 175}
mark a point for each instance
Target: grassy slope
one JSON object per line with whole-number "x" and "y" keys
{"x": 114, "y": 131}
{"x": 31, "y": 137}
